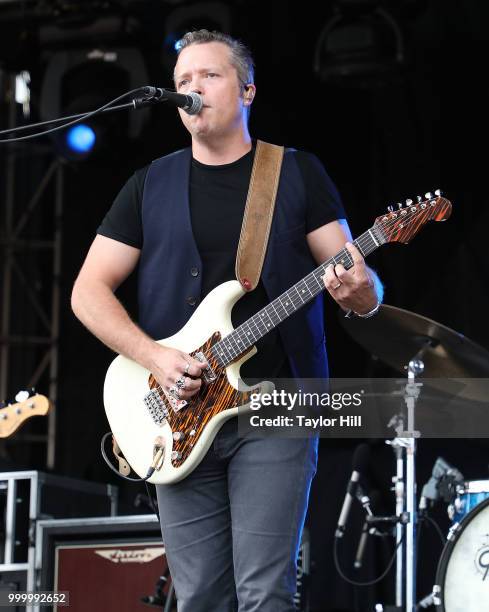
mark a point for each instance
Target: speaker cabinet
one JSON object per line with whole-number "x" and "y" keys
{"x": 105, "y": 563}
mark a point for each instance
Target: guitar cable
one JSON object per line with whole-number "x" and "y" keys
{"x": 151, "y": 469}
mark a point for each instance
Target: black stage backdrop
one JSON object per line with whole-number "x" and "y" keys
{"x": 423, "y": 130}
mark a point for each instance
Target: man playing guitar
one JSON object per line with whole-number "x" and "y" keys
{"x": 232, "y": 527}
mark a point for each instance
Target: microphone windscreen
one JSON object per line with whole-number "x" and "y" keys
{"x": 361, "y": 457}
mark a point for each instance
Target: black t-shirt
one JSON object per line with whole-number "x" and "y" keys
{"x": 217, "y": 201}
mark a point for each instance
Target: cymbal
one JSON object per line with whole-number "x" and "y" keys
{"x": 396, "y": 336}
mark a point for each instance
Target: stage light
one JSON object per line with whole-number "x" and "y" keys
{"x": 23, "y": 91}
{"x": 81, "y": 138}
{"x": 361, "y": 45}
{"x": 82, "y": 80}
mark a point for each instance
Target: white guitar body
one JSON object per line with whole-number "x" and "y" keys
{"x": 127, "y": 383}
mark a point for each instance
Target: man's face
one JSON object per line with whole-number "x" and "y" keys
{"x": 206, "y": 69}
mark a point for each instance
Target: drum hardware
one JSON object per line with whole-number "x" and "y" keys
{"x": 403, "y": 519}
{"x": 452, "y": 531}
{"x": 468, "y": 495}
{"x": 399, "y": 337}
{"x": 404, "y": 447}
{"x": 426, "y": 602}
{"x": 444, "y": 483}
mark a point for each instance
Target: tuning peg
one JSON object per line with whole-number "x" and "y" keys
{"x": 22, "y": 396}
{"x": 428, "y": 195}
{"x": 399, "y": 205}
{"x": 438, "y": 192}
{"x": 409, "y": 202}
{"x": 390, "y": 208}
{"x": 419, "y": 198}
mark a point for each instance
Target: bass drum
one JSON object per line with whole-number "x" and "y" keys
{"x": 462, "y": 578}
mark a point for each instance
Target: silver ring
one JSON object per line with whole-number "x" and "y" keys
{"x": 173, "y": 391}
{"x": 181, "y": 382}
{"x": 187, "y": 368}
{"x": 337, "y": 286}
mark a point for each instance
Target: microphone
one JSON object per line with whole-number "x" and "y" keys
{"x": 360, "y": 459}
{"x": 362, "y": 544}
{"x": 366, "y": 529}
{"x": 191, "y": 103}
{"x": 364, "y": 499}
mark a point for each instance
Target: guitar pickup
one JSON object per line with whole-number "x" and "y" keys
{"x": 208, "y": 375}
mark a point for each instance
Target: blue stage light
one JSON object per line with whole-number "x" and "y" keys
{"x": 80, "y": 138}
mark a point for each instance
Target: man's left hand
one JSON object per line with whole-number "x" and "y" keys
{"x": 352, "y": 289}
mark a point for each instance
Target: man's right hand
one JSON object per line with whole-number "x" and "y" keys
{"x": 170, "y": 365}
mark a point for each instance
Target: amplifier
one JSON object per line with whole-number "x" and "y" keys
{"x": 111, "y": 564}
{"x": 105, "y": 564}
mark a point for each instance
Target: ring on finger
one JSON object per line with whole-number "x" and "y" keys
{"x": 181, "y": 382}
{"x": 187, "y": 368}
{"x": 173, "y": 391}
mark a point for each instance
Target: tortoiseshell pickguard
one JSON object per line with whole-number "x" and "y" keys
{"x": 209, "y": 401}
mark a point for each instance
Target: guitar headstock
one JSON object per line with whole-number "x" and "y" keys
{"x": 13, "y": 415}
{"x": 401, "y": 224}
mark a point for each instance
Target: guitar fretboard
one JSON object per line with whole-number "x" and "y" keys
{"x": 243, "y": 337}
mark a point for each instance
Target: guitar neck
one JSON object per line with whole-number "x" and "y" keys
{"x": 243, "y": 337}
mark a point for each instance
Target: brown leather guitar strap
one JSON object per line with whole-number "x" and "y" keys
{"x": 258, "y": 213}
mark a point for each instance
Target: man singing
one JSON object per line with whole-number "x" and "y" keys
{"x": 232, "y": 527}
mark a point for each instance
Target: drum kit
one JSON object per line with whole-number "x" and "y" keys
{"x": 413, "y": 344}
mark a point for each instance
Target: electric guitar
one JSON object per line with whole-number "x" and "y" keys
{"x": 13, "y": 415}
{"x": 149, "y": 426}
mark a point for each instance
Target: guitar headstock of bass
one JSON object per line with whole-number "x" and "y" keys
{"x": 402, "y": 223}
{"x": 13, "y": 415}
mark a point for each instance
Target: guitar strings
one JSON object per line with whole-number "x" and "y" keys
{"x": 363, "y": 242}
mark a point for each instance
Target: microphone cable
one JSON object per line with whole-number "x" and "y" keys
{"x": 64, "y": 125}
{"x": 368, "y": 582}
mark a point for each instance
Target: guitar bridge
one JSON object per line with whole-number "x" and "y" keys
{"x": 156, "y": 407}
{"x": 208, "y": 375}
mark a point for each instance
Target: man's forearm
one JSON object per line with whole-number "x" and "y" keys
{"x": 96, "y": 306}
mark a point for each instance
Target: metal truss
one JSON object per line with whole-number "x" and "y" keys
{"x": 27, "y": 246}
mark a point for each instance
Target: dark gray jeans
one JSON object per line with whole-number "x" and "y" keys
{"x": 232, "y": 527}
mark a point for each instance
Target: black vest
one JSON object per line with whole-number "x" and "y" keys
{"x": 169, "y": 282}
